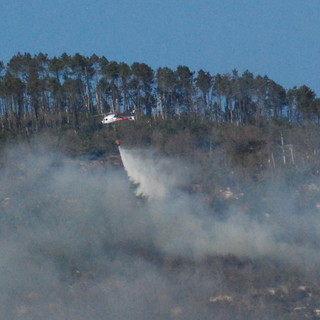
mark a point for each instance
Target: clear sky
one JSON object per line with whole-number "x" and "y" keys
{"x": 277, "y": 38}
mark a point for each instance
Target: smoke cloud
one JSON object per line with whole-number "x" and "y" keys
{"x": 187, "y": 226}
{"x": 77, "y": 242}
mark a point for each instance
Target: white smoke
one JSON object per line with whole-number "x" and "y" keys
{"x": 77, "y": 244}
{"x": 186, "y": 226}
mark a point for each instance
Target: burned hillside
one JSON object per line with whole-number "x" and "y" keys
{"x": 213, "y": 237}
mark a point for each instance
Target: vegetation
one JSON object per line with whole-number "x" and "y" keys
{"x": 254, "y": 121}
{"x": 38, "y": 92}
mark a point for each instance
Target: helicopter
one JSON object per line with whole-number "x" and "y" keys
{"x": 112, "y": 117}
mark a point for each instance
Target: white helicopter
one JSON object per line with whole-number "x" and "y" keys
{"x": 112, "y": 117}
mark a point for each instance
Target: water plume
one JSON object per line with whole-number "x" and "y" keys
{"x": 155, "y": 176}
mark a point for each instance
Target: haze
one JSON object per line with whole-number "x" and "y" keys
{"x": 77, "y": 243}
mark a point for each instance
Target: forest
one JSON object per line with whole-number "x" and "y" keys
{"x": 227, "y": 224}
{"x": 258, "y": 125}
{"x": 38, "y": 92}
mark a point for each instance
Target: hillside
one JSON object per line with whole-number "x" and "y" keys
{"x": 193, "y": 220}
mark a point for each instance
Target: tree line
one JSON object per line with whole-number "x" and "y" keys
{"x": 38, "y": 91}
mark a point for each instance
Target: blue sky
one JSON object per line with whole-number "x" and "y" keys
{"x": 277, "y": 38}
